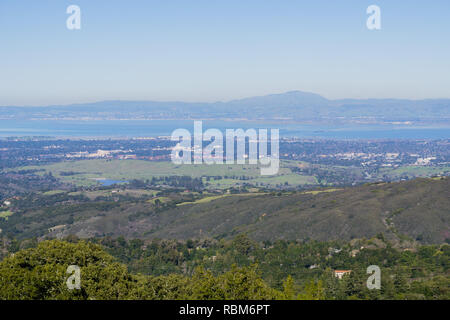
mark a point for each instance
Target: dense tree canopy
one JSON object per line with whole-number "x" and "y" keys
{"x": 40, "y": 273}
{"x": 209, "y": 269}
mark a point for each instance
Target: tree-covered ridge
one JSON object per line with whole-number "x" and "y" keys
{"x": 406, "y": 212}
{"x": 209, "y": 269}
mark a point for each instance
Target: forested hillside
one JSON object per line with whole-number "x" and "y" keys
{"x": 408, "y": 211}
{"x": 237, "y": 269}
{"x": 411, "y": 210}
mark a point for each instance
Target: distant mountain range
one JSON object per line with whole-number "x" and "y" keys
{"x": 289, "y": 106}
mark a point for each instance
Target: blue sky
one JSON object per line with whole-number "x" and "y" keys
{"x": 207, "y": 50}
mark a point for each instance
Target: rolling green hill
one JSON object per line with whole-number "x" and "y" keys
{"x": 416, "y": 210}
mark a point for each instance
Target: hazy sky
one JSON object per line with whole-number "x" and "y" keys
{"x": 206, "y": 50}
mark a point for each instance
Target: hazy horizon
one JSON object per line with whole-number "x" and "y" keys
{"x": 222, "y": 101}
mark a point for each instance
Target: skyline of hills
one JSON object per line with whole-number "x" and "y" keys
{"x": 289, "y": 106}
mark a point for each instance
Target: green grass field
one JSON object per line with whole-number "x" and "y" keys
{"x": 6, "y": 214}
{"x": 314, "y": 192}
{"x": 88, "y": 171}
{"x": 212, "y": 198}
{"x": 161, "y": 199}
{"x": 414, "y": 171}
{"x": 52, "y": 192}
{"x": 106, "y": 193}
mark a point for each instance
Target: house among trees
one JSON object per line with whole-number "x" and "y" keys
{"x": 340, "y": 273}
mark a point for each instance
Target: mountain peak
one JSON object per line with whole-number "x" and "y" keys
{"x": 286, "y": 99}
